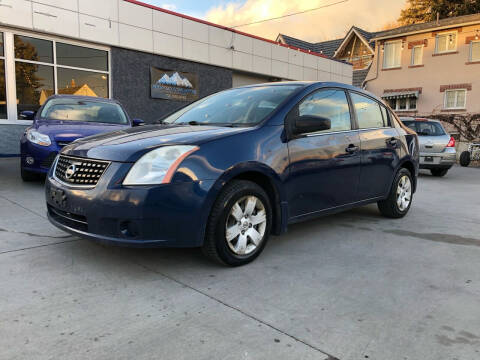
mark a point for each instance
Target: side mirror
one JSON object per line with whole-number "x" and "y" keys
{"x": 138, "y": 122}
{"x": 308, "y": 124}
{"x": 27, "y": 115}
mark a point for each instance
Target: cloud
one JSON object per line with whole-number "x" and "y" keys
{"x": 171, "y": 7}
{"x": 161, "y": 4}
{"x": 323, "y": 24}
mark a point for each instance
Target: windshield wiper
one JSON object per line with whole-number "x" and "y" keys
{"x": 194, "y": 123}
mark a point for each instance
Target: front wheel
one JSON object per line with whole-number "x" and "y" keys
{"x": 239, "y": 224}
{"x": 400, "y": 198}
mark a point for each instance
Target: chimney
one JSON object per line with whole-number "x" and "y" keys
{"x": 438, "y": 18}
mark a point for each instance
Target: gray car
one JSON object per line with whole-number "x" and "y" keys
{"x": 437, "y": 147}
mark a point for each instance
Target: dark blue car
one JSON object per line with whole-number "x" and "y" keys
{"x": 229, "y": 169}
{"x": 61, "y": 120}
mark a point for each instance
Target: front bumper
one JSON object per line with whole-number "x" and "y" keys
{"x": 43, "y": 156}
{"x": 445, "y": 159}
{"x": 169, "y": 215}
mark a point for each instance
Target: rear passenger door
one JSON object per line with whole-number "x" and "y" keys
{"x": 324, "y": 165}
{"x": 380, "y": 146}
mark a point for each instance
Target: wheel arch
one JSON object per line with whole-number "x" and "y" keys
{"x": 410, "y": 166}
{"x": 263, "y": 176}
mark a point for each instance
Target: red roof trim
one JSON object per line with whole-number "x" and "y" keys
{"x": 224, "y": 27}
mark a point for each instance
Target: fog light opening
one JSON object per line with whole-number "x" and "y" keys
{"x": 129, "y": 229}
{"x": 29, "y": 160}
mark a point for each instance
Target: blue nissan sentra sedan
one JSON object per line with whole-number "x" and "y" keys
{"x": 226, "y": 171}
{"x": 61, "y": 120}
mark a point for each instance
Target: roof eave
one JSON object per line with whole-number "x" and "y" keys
{"x": 425, "y": 30}
{"x": 347, "y": 38}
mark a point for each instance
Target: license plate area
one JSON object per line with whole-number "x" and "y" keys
{"x": 428, "y": 159}
{"x": 58, "y": 197}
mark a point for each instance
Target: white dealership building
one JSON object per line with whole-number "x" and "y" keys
{"x": 117, "y": 48}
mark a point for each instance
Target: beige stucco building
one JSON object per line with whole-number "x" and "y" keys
{"x": 429, "y": 68}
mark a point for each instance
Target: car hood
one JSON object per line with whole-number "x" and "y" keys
{"x": 130, "y": 144}
{"x": 70, "y": 131}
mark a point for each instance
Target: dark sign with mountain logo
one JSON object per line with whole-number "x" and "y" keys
{"x": 173, "y": 85}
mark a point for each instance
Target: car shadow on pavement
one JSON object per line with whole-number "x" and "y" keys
{"x": 183, "y": 259}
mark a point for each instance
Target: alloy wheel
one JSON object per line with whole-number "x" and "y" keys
{"x": 404, "y": 193}
{"x": 245, "y": 225}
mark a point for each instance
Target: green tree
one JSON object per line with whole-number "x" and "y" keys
{"x": 418, "y": 11}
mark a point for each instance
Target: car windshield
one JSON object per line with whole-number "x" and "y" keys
{"x": 426, "y": 128}
{"x": 235, "y": 107}
{"x": 84, "y": 111}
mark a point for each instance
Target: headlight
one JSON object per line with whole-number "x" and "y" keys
{"x": 158, "y": 166}
{"x": 38, "y": 138}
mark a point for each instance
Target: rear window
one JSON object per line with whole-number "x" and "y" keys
{"x": 426, "y": 128}
{"x": 83, "y": 110}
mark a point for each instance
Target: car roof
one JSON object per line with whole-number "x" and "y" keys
{"x": 316, "y": 84}
{"x": 419, "y": 119}
{"x": 80, "y": 97}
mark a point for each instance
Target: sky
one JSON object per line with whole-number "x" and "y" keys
{"x": 327, "y": 23}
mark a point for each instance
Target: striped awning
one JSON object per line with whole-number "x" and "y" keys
{"x": 401, "y": 94}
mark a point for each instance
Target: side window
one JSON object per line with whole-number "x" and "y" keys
{"x": 329, "y": 103}
{"x": 368, "y": 112}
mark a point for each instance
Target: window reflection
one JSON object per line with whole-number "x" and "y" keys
{"x": 368, "y": 112}
{"x": 85, "y": 83}
{"x": 331, "y": 104}
{"x": 3, "y": 95}
{"x": 27, "y": 48}
{"x": 34, "y": 85}
{"x": 36, "y": 80}
{"x": 82, "y": 57}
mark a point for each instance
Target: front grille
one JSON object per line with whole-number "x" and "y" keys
{"x": 80, "y": 171}
{"x": 74, "y": 221}
{"x": 48, "y": 161}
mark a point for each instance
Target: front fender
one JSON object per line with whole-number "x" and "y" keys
{"x": 248, "y": 170}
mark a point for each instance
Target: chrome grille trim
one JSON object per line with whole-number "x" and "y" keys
{"x": 87, "y": 171}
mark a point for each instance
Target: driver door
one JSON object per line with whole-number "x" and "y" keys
{"x": 325, "y": 165}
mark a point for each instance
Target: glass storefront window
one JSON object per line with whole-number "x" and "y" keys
{"x": 44, "y": 67}
{"x": 85, "y": 83}
{"x": 82, "y": 57}
{"x": 34, "y": 85}
{"x": 28, "y": 48}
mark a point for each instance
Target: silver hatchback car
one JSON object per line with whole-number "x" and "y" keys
{"x": 437, "y": 147}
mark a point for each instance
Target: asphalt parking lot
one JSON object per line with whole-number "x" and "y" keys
{"x": 350, "y": 286}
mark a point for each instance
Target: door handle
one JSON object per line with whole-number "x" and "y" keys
{"x": 351, "y": 149}
{"x": 392, "y": 142}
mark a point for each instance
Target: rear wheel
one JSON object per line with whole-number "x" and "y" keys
{"x": 465, "y": 158}
{"x": 400, "y": 198}
{"x": 439, "y": 172}
{"x": 239, "y": 224}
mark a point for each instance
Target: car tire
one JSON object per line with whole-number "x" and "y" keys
{"x": 252, "y": 234}
{"x": 396, "y": 205}
{"x": 438, "y": 172}
{"x": 28, "y": 176}
{"x": 465, "y": 158}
